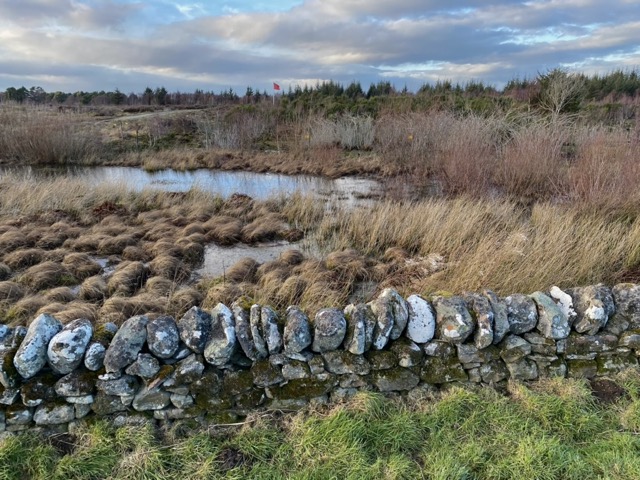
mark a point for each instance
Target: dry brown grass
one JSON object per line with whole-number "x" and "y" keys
{"x": 160, "y": 286}
{"x": 192, "y": 252}
{"x": 115, "y": 245}
{"x": 5, "y": 271}
{"x": 25, "y": 310}
{"x": 119, "y": 309}
{"x": 243, "y": 270}
{"x": 223, "y": 229}
{"x": 60, "y": 294}
{"x": 164, "y": 247}
{"x": 47, "y": 275}
{"x": 182, "y": 300}
{"x": 292, "y": 257}
{"x": 12, "y": 240}
{"x": 11, "y": 291}
{"x": 135, "y": 253}
{"x": 222, "y": 293}
{"x": 19, "y": 259}
{"x": 127, "y": 278}
{"x": 169, "y": 267}
{"x": 93, "y": 289}
{"x": 81, "y": 265}
{"x": 265, "y": 228}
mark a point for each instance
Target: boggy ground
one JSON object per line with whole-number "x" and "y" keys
{"x": 106, "y": 253}
{"x": 552, "y": 429}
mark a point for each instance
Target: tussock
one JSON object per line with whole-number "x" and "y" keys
{"x": 290, "y": 293}
{"x": 60, "y": 294}
{"x": 56, "y": 255}
{"x": 159, "y": 286}
{"x": 11, "y": 291}
{"x": 115, "y": 245}
{"x": 127, "y": 278}
{"x": 93, "y": 289}
{"x": 193, "y": 228}
{"x": 81, "y": 265}
{"x": 19, "y": 259}
{"x": 182, "y": 300}
{"x": 244, "y": 270}
{"x": 224, "y": 230}
{"x": 5, "y": 271}
{"x": 12, "y": 240}
{"x": 292, "y": 257}
{"x": 225, "y": 293}
{"x": 165, "y": 248}
{"x": 85, "y": 243}
{"x": 25, "y": 309}
{"x": 169, "y": 267}
{"x": 135, "y": 253}
{"x": 160, "y": 231}
{"x": 74, "y": 310}
{"x": 192, "y": 253}
{"x": 268, "y": 227}
{"x": 47, "y": 275}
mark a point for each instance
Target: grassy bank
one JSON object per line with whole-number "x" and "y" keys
{"x": 553, "y": 429}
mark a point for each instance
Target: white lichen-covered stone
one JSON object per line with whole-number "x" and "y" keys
{"x": 421, "y": 325}
{"x": 94, "y": 356}
{"x": 329, "y": 330}
{"x": 67, "y": 348}
{"x": 146, "y": 366}
{"x": 126, "y": 344}
{"x": 500, "y": 316}
{"x": 453, "y": 321}
{"x": 594, "y": 306}
{"x": 222, "y": 339}
{"x": 32, "y": 353}
{"x": 54, "y": 414}
{"x": 392, "y": 314}
{"x": 195, "y": 327}
{"x": 297, "y": 332}
{"x": 483, "y": 313}
{"x": 564, "y": 302}
{"x": 243, "y": 329}
{"x": 271, "y": 330}
{"x": 361, "y": 323}
{"x": 521, "y": 313}
{"x": 257, "y": 331}
{"x": 552, "y": 322}
{"x": 163, "y": 337}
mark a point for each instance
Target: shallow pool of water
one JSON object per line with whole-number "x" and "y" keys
{"x": 224, "y": 183}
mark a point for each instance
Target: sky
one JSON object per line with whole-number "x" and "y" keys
{"x": 92, "y": 45}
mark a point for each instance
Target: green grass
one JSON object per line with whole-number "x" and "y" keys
{"x": 551, "y": 429}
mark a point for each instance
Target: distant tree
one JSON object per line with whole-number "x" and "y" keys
{"x": 161, "y": 95}
{"x": 117, "y": 97}
{"x": 560, "y": 92}
{"x": 354, "y": 91}
{"x": 147, "y": 96}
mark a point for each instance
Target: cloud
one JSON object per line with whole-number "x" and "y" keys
{"x": 182, "y": 44}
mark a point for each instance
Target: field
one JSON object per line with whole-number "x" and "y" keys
{"x": 489, "y": 191}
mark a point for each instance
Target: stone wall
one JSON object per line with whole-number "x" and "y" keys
{"x": 218, "y": 365}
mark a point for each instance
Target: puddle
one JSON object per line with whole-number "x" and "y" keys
{"x": 218, "y": 259}
{"x": 349, "y": 190}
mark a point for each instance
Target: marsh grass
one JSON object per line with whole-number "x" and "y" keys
{"x": 551, "y": 429}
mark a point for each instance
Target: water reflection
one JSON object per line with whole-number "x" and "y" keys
{"x": 256, "y": 185}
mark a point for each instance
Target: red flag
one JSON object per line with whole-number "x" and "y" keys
{"x": 276, "y": 86}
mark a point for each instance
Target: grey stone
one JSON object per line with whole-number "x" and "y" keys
{"x": 94, "y": 356}
{"x": 408, "y": 353}
{"x": 82, "y": 410}
{"x": 522, "y": 313}
{"x": 9, "y": 377}
{"x": 610, "y": 364}
{"x": 341, "y": 362}
{"x": 329, "y": 329}
{"x": 564, "y": 301}
{"x": 421, "y": 325}
{"x": 481, "y": 309}
{"x": 353, "y": 381}
{"x": 54, "y": 414}
{"x": 32, "y": 353}
{"x": 125, "y": 385}
{"x": 82, "y": 400}
{"x": 258, "y": 332}
{"x": 266, "y": 374}
{"x": 381, "y": 359}
{"x": 67, "y": 347}
{"x": 271, "y": 330}
{"x": 541, "y": 345}
{"x": 181, "y": 401}
{"x": 163, "y": 337}
{"x": 294, "y": 369}
{"x": 297, "y": 332}
{"x": 187, "y": 371}
{"x": 468, "y": 353}
{"x": 627, "y": 302}
{"x": 126, "y": 344}
{"x": 107, "y": 404}
{"x": 501, "y": 324}
{"x": 437, "y": 370}
{"x": 582, "y": 368}
{"x": 514, "y": 348}
{"x": 523, "y": 369}
{"x": 222, "y": 338}
{"x": 391, "y": 314}
{"x": 151, "y": 399}
{"x": 75, "y": 384}
{"x": 243, "y": 329}
{"x": 474, "y": 375}
{"x": 453, "y": 321}
{"x": 552, "y": 321}
{"x": 630, "y": 339}
{"x": 18, "y": 415}
{"x": 194, "y": 328}
{"x": 593, "y": 305}
{"x": 361, "y": 324}
{"x": 493, "y": 372}
{"x": 340, "y": 395}
{"x": 38, "y": 389}
{"x": 581, "y": 345}
{"x": 440, "y": 349}
{"x": 316, "y": 365}
{"x": 145, "y": 366}
{"x": 8, "y": 396}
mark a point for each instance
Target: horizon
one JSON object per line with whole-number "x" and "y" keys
{"x": 95, "y": 45}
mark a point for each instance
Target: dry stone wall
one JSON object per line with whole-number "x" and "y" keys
{"x": 220, "y": 364}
